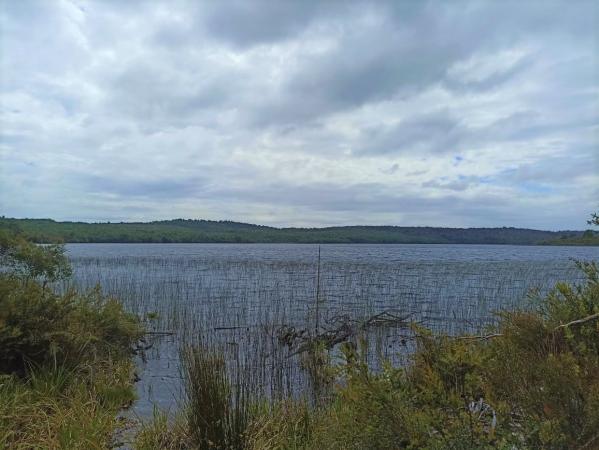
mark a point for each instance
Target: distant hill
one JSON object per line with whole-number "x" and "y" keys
{"x": 184, "y": 230}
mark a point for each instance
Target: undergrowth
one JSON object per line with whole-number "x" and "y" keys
{"x": 65, "y": 359}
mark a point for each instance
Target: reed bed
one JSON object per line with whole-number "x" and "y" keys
{"x": 237, "y": 303}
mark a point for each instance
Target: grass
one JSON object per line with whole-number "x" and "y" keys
{"x": 217, "y": 411}
{"x": 215, "y": 414}
{"x": 162, "y": 433}
{"x": 64, "y": 408}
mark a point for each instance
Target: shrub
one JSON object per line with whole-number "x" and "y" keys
{"x": 40, "y": 328}
{"x": 65, "y": 359}
{"x": 28, "y": 260}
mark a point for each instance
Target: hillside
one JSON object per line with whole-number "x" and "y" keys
{"x": 181, "y": 230}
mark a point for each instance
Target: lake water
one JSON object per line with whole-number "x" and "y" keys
{"x": 236, "y": 295}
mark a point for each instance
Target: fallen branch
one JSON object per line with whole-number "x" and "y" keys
{"x": 338, "y": 329}
{"x": 579, "y": 321}
{"x": 241, "y": 327}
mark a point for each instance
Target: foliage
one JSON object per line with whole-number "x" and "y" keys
{"x": 531, "y": 384}
{"x": 65, "y": 359}
{"x": 23, "y": 258}
{"x": 180, "y": 230}
{"x": 39, "y": 327}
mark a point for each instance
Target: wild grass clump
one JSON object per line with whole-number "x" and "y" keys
{"x": 285, "y": 425}
{"x": 162, "y": 433}
{"x": 64, "y": 408}
{"x": 217, "y": 409}
{"x": 216, "y": 413}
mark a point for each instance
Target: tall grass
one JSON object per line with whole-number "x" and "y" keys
{"x": 62, "y": 407}
{"x": 217, "y": 408}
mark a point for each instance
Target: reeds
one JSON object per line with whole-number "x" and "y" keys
{"x": 236, "y": 298}
{"x": 218, "y": 410}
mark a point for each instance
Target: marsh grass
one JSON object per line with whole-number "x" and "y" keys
{"x": 238, "y": 304}
{"x": 532, "y": 384}
{"x": 230, "y": 309}
{"x": 217, "y": 408}
{"x": 163, "y": 433}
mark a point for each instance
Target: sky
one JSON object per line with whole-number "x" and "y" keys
{"x": 305, "y": 113}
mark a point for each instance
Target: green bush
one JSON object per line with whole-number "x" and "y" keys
{"x": 39, "y": 327}
{"x": 24, "y": 259}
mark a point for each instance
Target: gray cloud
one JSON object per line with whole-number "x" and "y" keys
{"x": 436, "y": 132}
{"x": 396, "y": 112}
{"x": 245, "y": 24}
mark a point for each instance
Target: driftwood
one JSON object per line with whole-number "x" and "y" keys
{"x": 338, "y": 329}
{"x": 479, "y": 338}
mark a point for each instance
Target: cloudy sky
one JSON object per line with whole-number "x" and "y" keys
{"x": 460, "y": 113}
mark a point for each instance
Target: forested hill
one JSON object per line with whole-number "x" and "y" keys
{"x": 180, "y": 230}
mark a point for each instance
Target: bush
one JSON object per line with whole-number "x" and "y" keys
{"x": 40, "y": 328}
{"x": 22, "y": 258}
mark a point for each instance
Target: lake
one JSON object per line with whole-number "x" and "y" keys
{"x": 238, "y": 295}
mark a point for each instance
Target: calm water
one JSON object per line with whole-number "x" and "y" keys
{"x": 237, "y": 295}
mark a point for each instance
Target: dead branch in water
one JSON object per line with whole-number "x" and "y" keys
{"x": 338, "y": 329}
